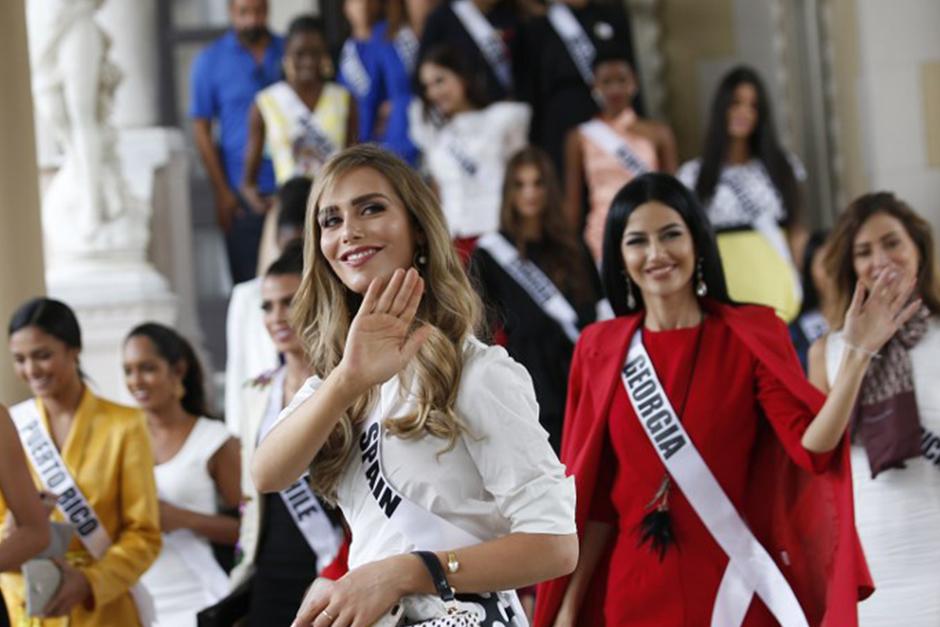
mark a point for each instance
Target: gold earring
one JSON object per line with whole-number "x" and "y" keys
{"x": 180, "y": 391}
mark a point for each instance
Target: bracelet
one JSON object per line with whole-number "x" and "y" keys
{"x": 436, "y": 571}
{"x": 859, "y": 349}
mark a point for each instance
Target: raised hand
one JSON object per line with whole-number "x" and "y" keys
{"x": 379, "y": 344}
{"x": 876, "y": 314}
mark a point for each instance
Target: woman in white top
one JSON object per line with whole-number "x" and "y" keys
{"x": 197, "y": 461}
{"x": 896, "y": 426}
{"x": 466, "y": 143}
{"x": 426, "y": 438}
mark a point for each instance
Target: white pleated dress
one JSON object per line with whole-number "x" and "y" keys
{"x": 186, "y": 577}
{"x": 898, "y": 513}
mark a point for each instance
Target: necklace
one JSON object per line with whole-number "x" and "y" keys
{"x": 656, "y": 525}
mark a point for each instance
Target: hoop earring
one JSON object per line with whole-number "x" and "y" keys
{"x": 631, "y": 299}
{"x": 701, "y": 288}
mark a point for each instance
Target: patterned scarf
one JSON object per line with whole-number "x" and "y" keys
{"x": 886, "y": 420}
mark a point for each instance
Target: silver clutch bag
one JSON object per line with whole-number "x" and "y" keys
{"x": 41, "y": 575}
{"x": 42, "y": 578}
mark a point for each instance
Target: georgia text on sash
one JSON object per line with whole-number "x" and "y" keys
{"x": 383, "y": 493}
{"x": 652, "y": 406}
{"x": 53, "y": 475}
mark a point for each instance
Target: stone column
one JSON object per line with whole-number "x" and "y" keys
{"x": 21, "y": 262}
{"x": 132, "y": 27}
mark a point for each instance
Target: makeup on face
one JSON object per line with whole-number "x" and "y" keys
{"x": 277, "y": 294}
{"x": 882, "y": 244}
{"x": 743, "y": 111}
{"x": 42, "y": 361}
{"x": 443, "y": 88}
{"x": 150, "y": 379}
{"x": 365, "y": 231}
{"x": 658, "y": 250}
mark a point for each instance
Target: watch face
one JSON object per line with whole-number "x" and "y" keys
{"x": 603, "y": 30}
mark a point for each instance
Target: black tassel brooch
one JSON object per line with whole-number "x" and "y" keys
{"x": 656, "y": 526}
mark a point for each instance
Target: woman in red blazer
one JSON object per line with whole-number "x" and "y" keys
{"x": 713, "y": 483}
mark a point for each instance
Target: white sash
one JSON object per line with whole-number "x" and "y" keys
{"x": 487, "y": 40}
{"x": 455, "y": 149}
{"x": 423, "y": 528}
{"x": 579, "y": 45}
{"x": 316, "y": 527}
{"x": 294, "y": 108}
{"x": 313, "y": 523}
{"x": 350, "y": 64}
{"x": 71, "y": 503}
{"x": 750, "y": 569}
{"x": 531, "y": 279}
{"x": 407, "y": 45}
{"x": 763, "y": 222}
{"x": 613, "y": 144}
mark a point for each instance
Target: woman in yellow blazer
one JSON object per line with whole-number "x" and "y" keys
{"x": 106, "y": 449}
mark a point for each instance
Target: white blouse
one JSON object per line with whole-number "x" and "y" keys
{"x": 501, "y": 477}
{"x": 467, "y": 158}
{"x": 898, "y": 512}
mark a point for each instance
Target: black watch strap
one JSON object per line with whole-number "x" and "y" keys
{"x": 437, "y": 574}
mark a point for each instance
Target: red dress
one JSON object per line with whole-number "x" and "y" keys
{"x": 746, "y": 417}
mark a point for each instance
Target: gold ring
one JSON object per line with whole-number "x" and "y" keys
{"x": 327, "y": 614}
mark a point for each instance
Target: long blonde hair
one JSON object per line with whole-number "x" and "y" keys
{"x": 323, "y": 309}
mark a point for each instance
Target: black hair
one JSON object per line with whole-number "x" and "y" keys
{"x": 813, "y": 246}
{"x": 610, "y": 55}
{"x": 304, "y": 24}
{"x": 448, "y": 57}
{"x": 664, "y": 188}
{"x": 291, "y": 260}
{"x": 175, "y": 349}
{"x": 292, "y": 198}
{"x": 50, "y": 316}
{"x": 763, "y": 143}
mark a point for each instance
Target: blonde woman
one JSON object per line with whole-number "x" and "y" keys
{"x": 410, "y": 424}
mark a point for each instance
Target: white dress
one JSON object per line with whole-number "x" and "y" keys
{"x": 500, "y": 478}
{"x": 186, "y": 578}
{"x": 898, "y": 513}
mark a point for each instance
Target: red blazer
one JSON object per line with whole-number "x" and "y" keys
{"x": 810, "y": 517}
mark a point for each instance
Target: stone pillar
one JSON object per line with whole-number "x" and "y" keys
{"x": 132, "y": 26}
{"x": 21, "y": 261}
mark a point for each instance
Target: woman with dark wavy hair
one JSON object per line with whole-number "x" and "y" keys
{"x": 749, "y": 186}
{"x": 711, "y": 475}
{"x": 896, "y": 424}
{"x": 197, "y": 465}
{"x": 537, "y": 281}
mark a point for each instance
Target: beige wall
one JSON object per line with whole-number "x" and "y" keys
{"x": 897, "y": 100}
{"x": 21, "y": 266}
{"x": 693, "y": 32}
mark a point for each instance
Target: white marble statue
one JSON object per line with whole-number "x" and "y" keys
{"x": 87, "y": 209}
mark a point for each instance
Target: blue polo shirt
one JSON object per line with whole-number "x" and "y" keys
{"x": 224, "y": 81}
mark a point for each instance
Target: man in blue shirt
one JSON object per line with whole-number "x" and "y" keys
{"x": 225, "y": 78}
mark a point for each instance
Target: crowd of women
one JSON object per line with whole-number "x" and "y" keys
{"x": 545, "y": 382}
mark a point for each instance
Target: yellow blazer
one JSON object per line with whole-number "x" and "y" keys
{"x": 108, "y": 453}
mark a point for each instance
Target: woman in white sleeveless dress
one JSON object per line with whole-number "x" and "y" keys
{"x": 896, "y": 429}
{"x": 197, "y": 462}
